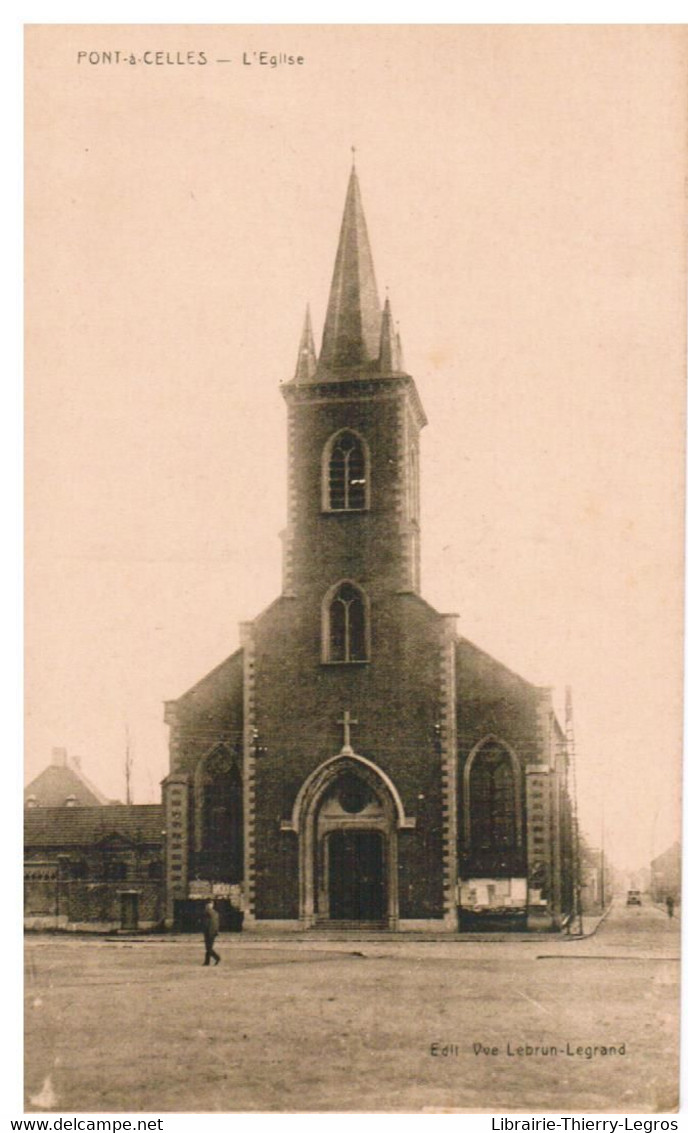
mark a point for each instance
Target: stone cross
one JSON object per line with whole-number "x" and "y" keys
{"x": 346, "y": 721}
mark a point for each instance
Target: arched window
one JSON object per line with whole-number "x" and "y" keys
{"x": 345, "y": 473}
{"x": 221, "y": 851}
{"x": 345, "y": 625}
{"x": 493, "y": 800}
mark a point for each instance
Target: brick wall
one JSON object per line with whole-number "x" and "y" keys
{"x": 298, "y": 703}
{"x": 83, "y": 902}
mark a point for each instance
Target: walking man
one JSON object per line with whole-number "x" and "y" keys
{"x": 670, "y": 906}
{"x": 211, "y": 927}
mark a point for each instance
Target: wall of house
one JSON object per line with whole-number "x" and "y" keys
{"x": 54, "y": 897}
{"x": 89, "y": 905}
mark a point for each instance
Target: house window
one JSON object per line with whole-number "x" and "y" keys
{"x": 114, "y": 870}
{"x": 345, "y": 473}
{"x": 345, "y": 625}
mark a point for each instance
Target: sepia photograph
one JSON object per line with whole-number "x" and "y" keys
{"x": 355, "y": 436}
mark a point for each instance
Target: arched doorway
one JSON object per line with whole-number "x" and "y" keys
{"x": 347, "y": 814}
{"x": 352, "y": 851}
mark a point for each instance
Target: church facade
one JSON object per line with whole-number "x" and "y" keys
{"x": 356, "y": 762}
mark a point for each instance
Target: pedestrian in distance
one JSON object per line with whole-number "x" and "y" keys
{"x": 211, "y": 927}
{"x": 670, "y": 906}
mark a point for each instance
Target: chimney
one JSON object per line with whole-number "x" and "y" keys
{"x": 59, "y": 757}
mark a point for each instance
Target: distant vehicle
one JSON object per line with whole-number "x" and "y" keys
{"x": 633, "y": 897}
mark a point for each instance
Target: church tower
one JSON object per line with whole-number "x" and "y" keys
{"x": 355, "y": 714}
{"x": 323, "y": 774}
{"x": 354, "y": 427}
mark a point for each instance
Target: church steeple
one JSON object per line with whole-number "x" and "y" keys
{"x": 351, "y": 337}
{"x": 353, "y": 522}
{"x": 306, "y": 362}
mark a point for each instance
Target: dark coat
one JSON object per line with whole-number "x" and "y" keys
{"x": 211, "y": 922}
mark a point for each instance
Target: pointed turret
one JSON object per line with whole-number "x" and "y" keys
{"x": 351, "y": 337}
{"x": 306, "y": 362}
{"x": 390, "y": 344}
{"x": 400, "y": 350}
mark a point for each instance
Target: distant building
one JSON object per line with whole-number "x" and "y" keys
{"x": 665, "y": 875}
{"x": 596, "y": 880}
{"x": 93, "y": 867}
{"x": 63, "y": 783}
{"x": 358, "y": 761}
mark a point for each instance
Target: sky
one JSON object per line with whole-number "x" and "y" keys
{"x": 524, "y": 189}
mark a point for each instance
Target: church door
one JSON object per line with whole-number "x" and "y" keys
{"x": 356, "y": 876}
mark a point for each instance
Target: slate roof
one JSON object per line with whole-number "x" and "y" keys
{"x": 56, "y": 783}
{"x": 351, "y": 336}
{"x": 83, "y": 826}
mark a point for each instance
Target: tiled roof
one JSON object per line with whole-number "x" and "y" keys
{"x": 54, "y": 785}
{"x": 83, "y": 826}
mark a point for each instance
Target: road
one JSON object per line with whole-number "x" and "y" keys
{"x": 395, "y": 1026}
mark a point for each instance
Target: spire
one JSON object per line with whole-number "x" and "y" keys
{"x": 306, "y": 361}
{"x": 390, "y": 343}
{"x": 352, "y": 325}
{"x": 400, "y": 349}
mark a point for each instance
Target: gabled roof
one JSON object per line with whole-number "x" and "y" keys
{"x": 84, "y": 826}
{"x": 228, "y": 669}
{"x": 54, "y": 785}
{"x": 487, "y": 667}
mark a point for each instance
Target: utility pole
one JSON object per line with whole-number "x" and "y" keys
{"x": 573, "y": 795}
{"x": 603, "y": 863}
{"x": 127, "y": 765}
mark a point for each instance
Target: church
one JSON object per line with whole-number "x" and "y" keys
{"x": 357, "y": 763}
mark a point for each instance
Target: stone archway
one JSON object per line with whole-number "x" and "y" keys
{"x": 347, "y": 815}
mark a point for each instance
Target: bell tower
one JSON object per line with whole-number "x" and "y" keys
{"x": 353, "y": 426}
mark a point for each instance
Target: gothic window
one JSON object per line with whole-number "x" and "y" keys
{"x": 345, "y": 625}
{"x": 221, "y": 819}
{"x": 492, "y": 788}
{"x": 345, "y": 473}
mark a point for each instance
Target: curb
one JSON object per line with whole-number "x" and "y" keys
{"x": 593, "y": 930}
